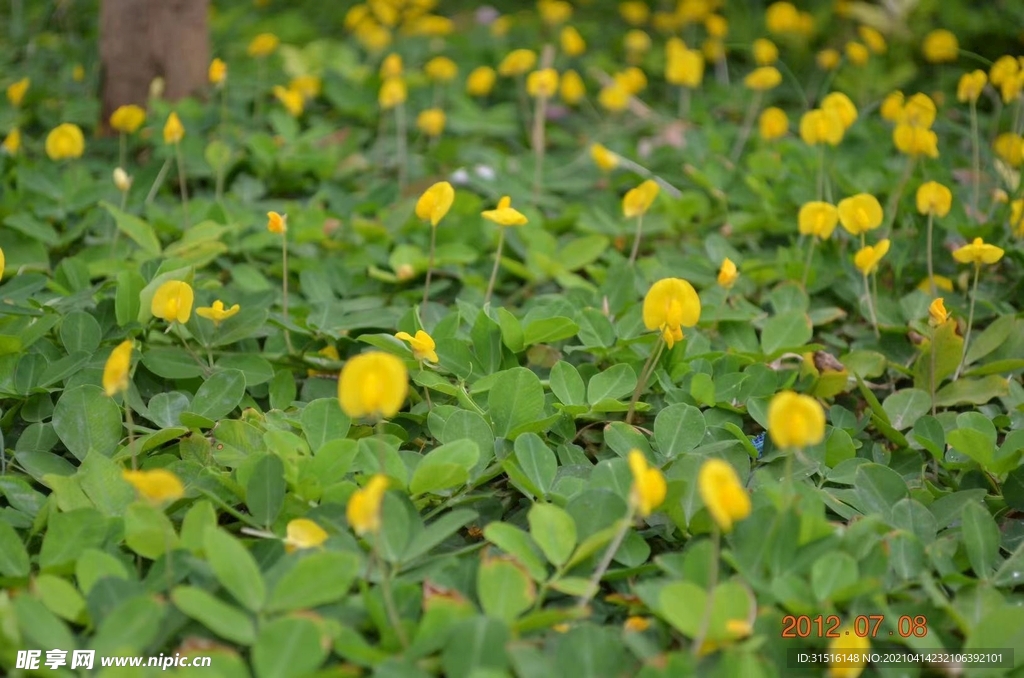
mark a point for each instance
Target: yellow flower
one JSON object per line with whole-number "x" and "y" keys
{"x": 840, "y": 104}
{"x": 65, "y": 141}
{"x": 818, "y": 219}
{"x": 868, "y": 257}
{"x": 391, "y": 66}
{"x": 1011, "y": 88}
{"x": 940, "y": 45}
{"x": 918, "y": 111}
{"x": 480, "y": 81}
{"x": 1017, "y": 217}
{"x": 634, "y": 12}
{"x": 1005, "y": 67}
{"x": 277, "y": 223}
{"x": 848, "y": 650}
{"x": 373, "y": 384}
{"x": 603, "y": 158}
{"x": 685, "y": 68}
{"x": 156, "y": 486}
{"x": 820, "y": 126}
{"x": 291, "y": 99}
{"x": 872, "y": 38}
{"x": 795, "y": 420}
{"x": 363, "y": 510}
{"x": 505, "y": 214}
{"x": 637, "y": 42}
{"x": 860, "y": 213}
{"x": 303, "y": 533}
{"x": 307, "y": 85}
{"x": 632, "y": 80}
{"x": 3, "y": 263}
{"x": 722, "y": 493}
{"x": 713, "y": 50}
{"x": 115, "y": 371}
{"x": 554, "y": 12}
{"x": 941, "y": 282}
{"x": 263, "y": 45}
{"x": 435, "y": 202}
{"x": 915, "y": 141}
{"x": 16, "y": 91}
{"x": 765, "y": 52}
{"x": 649, "y": 487}
{"x": 174, "y": 131}
{"x": 542, "y": 83}
{"x": 937, "y": 313}
{"x": 666, "y": 22}
{"x": 572, "y": 42}
{"x": 892, "y": 107}
{"x": 857, "y": 53}
{"x": 128, "y": 118}
{"x": 828, "y": 59}
{"x": 392, "y": 93}
{"x": 218, "y": 72}
{"x": 934, "y": 198}
{"x": 670, "y": 305}
{"x": 638, "y": 200}
{"x": 715, "y": 24}
{"x": 431, "y": 122}
{"x": 517, "y": 62}
{"x": 571, "y": 88}
{"x": 216, "y": 312}
{"x": 422, "y": 345}
{"x": 978, "y": 253}
{"x": 613, "y": 98}
{"x": 763, "y": 78}
{"x": 1009, "y": 147}
{"x": 772, "y": 124}
{"x": 637, "y": 624}
{"x": 12, "y": 142}
{"x": 782, "y": 17}
{"x": 173, "y": 301}
{"x": 727, "y": 274}
{"x": 970, "y": 86}
{"x": 122, "y": 181}
{"x": 441, "y": 69}
{"x": 372, "y": 36}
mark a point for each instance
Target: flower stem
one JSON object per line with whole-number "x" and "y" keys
{"x": 931, "y": 269}
{"x": 748, "y": 125}
{"x": 636, "y": 239}
{"x": 970, "y": 321}
{"x": 160, "y": 176}
{"x": 684, "y": 102}
{"x": 645, "y": 374}
{"x": 189, "y": 348}
{"x": 975, "y": 162}
{"x": 606, "y": 560}
{"x": 284, "y": 289}
{"x": 129, "y": 424}
{"x": 871, "y": 306}
{"x": 497, "y": 263}
{"x": 430, "y": 264}
{"x": 931, "y": 371}
{"x": 123, "y": 151}
{"x": 807, "y": 264}
{"x": 705, "y": 620}
{"x": 400, "y": 145}
{"x": 539, "y": 116}
{"x": 389, "y": 599}
{"x": 181, "y": 180}
{"x": 894, "y": 199}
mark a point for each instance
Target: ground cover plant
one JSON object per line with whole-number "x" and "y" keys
{"x": 567, "y": 338}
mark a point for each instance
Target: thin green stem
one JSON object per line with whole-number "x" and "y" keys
{"x": 931, "y": 269}
{"x": 117, "y": 231}
{"x": 645, "y": 374}
{"x": 807, "y": 264}
{"x": 400, "y": 146}
{"x": 389, "y": 599}
{"x": 182, "y": 183}
{"x": 594, "y": 584}
{"x": 748, "y": 125}
{"x": 636, "y": 239}
{"x": 871, "y": 306}
{"x": 284, "y": 290}
{"x": 709, "y": 602}
{"x": 430, "y": 264}
{"x": 537, "y": 137}
{"x": 684, "y": 102}
{"x": 975, "y": 162}
{"x": 894, "y": 198}
{"x": 123, "y": 151}
{"x": 497, "y": 264}
{"x": 931, "y": 374}
{"x": 188, "y": 348}
{"x": 129, "y": 424}
{"x": 970, "y": 321}
{"x": 821, "y": 171}
{"x": 160, "y": 176}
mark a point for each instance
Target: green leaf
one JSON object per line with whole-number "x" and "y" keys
{"x": 511, "y": 330}
{"x": 993, "y": 336}
{"x": 517, "y": 398}
{"x": 147, "y": 531}
{"x": 567, "y": 384}
{"x": 972, "y": 391}
{"x": 435, "y": 533}
{"x": 878, "y": 488}
{"x": 615, "y": 382}
{"x": 975, "y": 437}
{"x": 476, "y": 647}
{"x": 504, "y": 588}
{"x": 323, "y": 421}
{"x": 79, "y": 331}
{"x": 445, "y": 467}
{"x": 980, "y": 535}
{"x": 831, "y": 573}
{"x": 136, "y": 229}
{"x": 87, "y": 420}
{"x": 554, "y": 530}
{"x": 227, "y": 621}
{"x": 549, "y": 330}
{"x": 235, "y": 568}
{"x": 219, "y": 395}
{"x": 317, "y": 579}
{"x": 536, "y": 460}
{"x": 67, "y": 535}
{"x": 518, "y": 544}
{"x": 61, "y": 597}
{"x": 171, "y": 362}
{"x": 13, "y": 554}
{"x": 906, "y": 406}
{"x": 264, "y": 493}
{"x": 786, "y": 331}
{"x": 678, "y": 428}
{"x": 130, "y": 627}
{"x": 40, "y": 627}
{"x": 286, "y": 647}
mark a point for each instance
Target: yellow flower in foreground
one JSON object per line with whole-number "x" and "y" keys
{"x": 795, "y": 420}
{"x": 722, "y": 493}
{"x": 156, "y": 486}
{"x": 480, "y": 81}
{"x": 857, "y": 53}
{"x": 849, "y": 651}
{"x": 373, "y": 384}
{"x": 435, "y": 202}
{"x": 128, "y": 118}
{"x": 649, "y": 487}
{"x": 391, "y": 66}
{"x": 363, "y": 510}
{"x": 713, "y": 50}
{"x": 638, "y": 200}
{"x": 860, "y": 213}
{"x": 1009, "y": 147}
{"x": 868, "y": 257}
{"x": 613, "y": 97}
{"x": 292, "y": 100}
{"x": 636, "y": 42}
{"x": 685, "y": 68}
{"x": 637, "y": 624}
{"x": 840, "y": 104}
{"x": 554, "y": 12}
{"x": 542, "y": 83}
{"x": 918, "y": 111}
{"x": 216, "y": 312}
{"x": 1005, "y": 68}
{"x": 872, "y": 38}
{"x": 308, "y": 86}
{"x": 173, "y": 301}
{"x": 765, "y": 52}
{"x": 263, "y": 45}
{"x": 915, "y": 141}
{"x": 817, "y": 218}
{"x": 939, "y": 46}
{"x": 763, "y": 78}
{"x": 634, "y": 12}
{"x": 603, "y": 158}
{"x": 1017, "y": 217}
{"x": 303, "y": 533}
{"x": 571, "y": 87}
{"x": 441, "y": 69}
{"x": 978, "y": 253}
{"x": 937, "y": 313}
{"x": 431, "y": 122}
{"x": 773, "y": 123}
{"x": 277, "y": 223}
{"x": 892, "y": 106}
{"x": 819, "y": 126}
{"x": 3, "y": 263}
{"x": 727, "y": 274}
{"x": 16, "y": 91}
{"x": 505, "y": 214}
{"x": 115, "y": 371}
{"x": 12, "y": 142}
{"x": 828, "y": 59}
{"x": 217, "y": 73}
{"x": 65, "y": 141}
{"x": 716, "y": 25}
{"x": 970, "y": 86}
{"x": 517, "y": 62}
{"x": 782, "y": 17}
{"x": 392, "y": 92}
{"x": 632, "y": 80}
{"x": 670, "y": 305}
{"x": 572, "y": 42}
{"x": 934, "y": 198}
{"x": 422, "y": 345}
{"x": 174, "y": 131}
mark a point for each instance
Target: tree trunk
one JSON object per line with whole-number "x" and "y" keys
{"x": 143, "y": 39}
